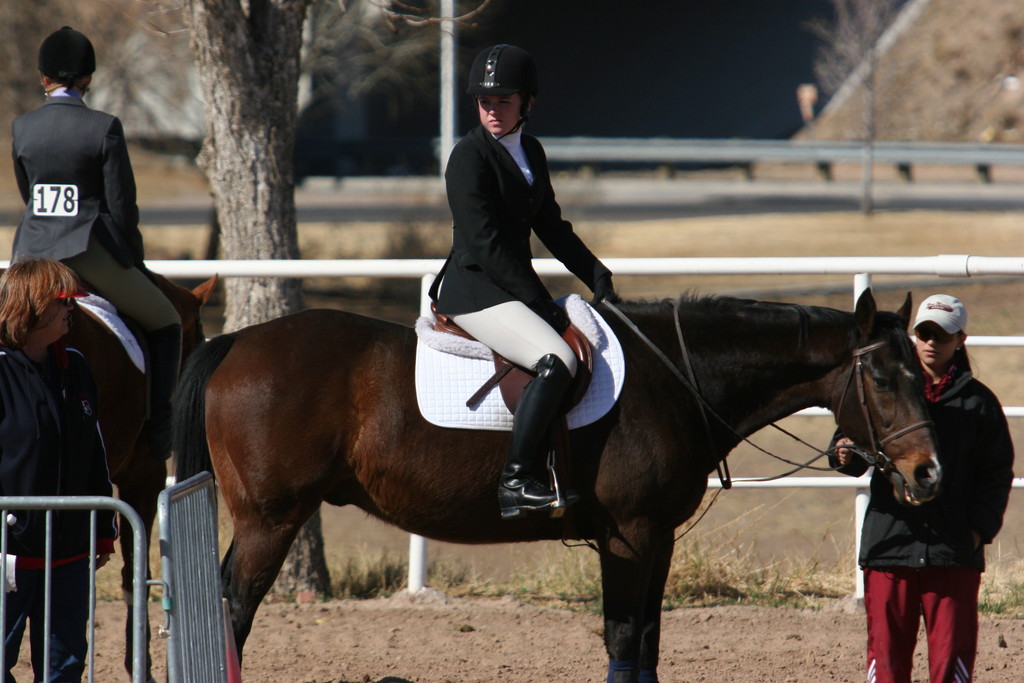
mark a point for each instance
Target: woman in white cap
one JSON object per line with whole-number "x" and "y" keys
{"x": 927, "y": 560}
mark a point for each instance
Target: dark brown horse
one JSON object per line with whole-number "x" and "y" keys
{"x": 320, "y": 406}
{"x": 122, "y": 413}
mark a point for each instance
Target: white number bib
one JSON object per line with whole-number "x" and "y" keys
{"x": 55, "y": 200}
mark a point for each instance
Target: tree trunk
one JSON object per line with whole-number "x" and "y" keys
{"x": 247, "y": 54}
{"x": 305, "y": 568}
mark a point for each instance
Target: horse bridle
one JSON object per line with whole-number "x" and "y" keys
{"x": 877, "y": 456}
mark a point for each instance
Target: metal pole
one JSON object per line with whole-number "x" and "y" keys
{"x": 417, "y": 563}
{"x": 449, "y": 122}
{"x": 449, "y": 116}
{"x": 860, "y": 508}
{"x": 417, "y": 579}
{"x": 861, "y": 282}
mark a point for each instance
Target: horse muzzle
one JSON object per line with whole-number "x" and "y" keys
{"x": 916, "y": 484}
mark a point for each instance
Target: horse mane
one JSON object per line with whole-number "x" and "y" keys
{"x": 696, "y": 307}
{"x": 718, "y": 306}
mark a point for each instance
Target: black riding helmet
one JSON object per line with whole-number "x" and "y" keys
{"x": 503, "y": 70}
{"x": 66, "y": 55}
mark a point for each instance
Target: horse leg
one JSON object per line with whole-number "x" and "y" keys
{"x": 250, "y": 568}
{"x": 127, "y": 577}
{"x": 628, "y": 562}
{"x": 142, "y": 497}
{"x": 650, "y": 628}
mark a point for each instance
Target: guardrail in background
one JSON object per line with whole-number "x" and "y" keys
{"x": 666, "y": 152}
{"x": 946, "y": 265}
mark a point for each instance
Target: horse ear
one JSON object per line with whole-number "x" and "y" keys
{"x": 865, "y": 313}
{"x": 202, "y": 292}
{"x": 906, "y": 308}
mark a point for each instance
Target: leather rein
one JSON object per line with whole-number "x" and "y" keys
{"x": 876, "y": 456}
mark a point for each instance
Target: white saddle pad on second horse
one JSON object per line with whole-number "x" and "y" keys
{"x": 104, "y": 311}
{"x": 450, "y": 369}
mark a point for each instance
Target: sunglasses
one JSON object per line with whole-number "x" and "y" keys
{"x": 927, "y": 334}
{"x": 67, "y": 303}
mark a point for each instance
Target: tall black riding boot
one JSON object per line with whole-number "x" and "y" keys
{"x": 164, "y": 362}
{"x": 523, "y": 486}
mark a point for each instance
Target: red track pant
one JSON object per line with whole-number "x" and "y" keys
{"x": 895, "y": 598}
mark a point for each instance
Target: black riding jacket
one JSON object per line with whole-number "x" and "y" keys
{"x": 976, "y": 455}
{"x": 494, "y": 212}
{"x": 64, "y": 146}
{"x": 50, "y": 445}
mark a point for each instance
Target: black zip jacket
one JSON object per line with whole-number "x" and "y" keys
{"x": 50, "y": 445}
{"x": 976, "y": 454}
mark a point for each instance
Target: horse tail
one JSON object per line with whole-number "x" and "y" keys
{"x": 188, "y": 436}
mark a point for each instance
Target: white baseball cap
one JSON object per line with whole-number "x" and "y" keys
{"x": 944, "y": 310}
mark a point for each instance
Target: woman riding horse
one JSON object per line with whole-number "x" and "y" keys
{"x": 76, "y": 179}
{"x": 499, "y": 189}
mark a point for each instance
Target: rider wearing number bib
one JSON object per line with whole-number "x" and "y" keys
{"x": 73, "y": 171}
{"x": 499, "y": 192}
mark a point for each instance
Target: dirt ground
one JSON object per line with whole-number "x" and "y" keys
{"x": 434, "y": 639}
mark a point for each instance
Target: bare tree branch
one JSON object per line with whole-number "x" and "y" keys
{"x": 376, "y": 45}
{"x": 850, "y": 39}
{"x": 849, "y": 60}
{"x": 416, "y": 17}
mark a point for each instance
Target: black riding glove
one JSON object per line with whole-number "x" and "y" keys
{"x": 604, "y": 291}
{"x": 551, "y": 313}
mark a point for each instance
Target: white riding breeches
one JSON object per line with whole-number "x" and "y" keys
{"x": 517, "y": 333}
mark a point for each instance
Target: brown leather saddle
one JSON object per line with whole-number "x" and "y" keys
{"x": 510, "y": 378}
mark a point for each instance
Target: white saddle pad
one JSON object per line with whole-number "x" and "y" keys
{"x": 107, "y": 314}
{"x": 450, "y": 369}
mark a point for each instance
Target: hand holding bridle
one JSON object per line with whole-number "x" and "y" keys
{"x": 843, "y": 455}
{"x": 605, "y": 291}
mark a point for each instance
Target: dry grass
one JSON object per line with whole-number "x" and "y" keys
{"x": 707, "y": 570}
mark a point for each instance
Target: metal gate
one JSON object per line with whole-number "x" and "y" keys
{"x": 139, "y": 571}
{"x": 190, "y": 567}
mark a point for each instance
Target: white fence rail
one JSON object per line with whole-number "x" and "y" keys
{"x": 860, "y": 267}
{"x": 943, "y": 265}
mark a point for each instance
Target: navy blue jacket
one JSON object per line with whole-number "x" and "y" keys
{"x": 50, "y": 445}
{"x": 494, "y": 210}
{"x": 976, "y": 454}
